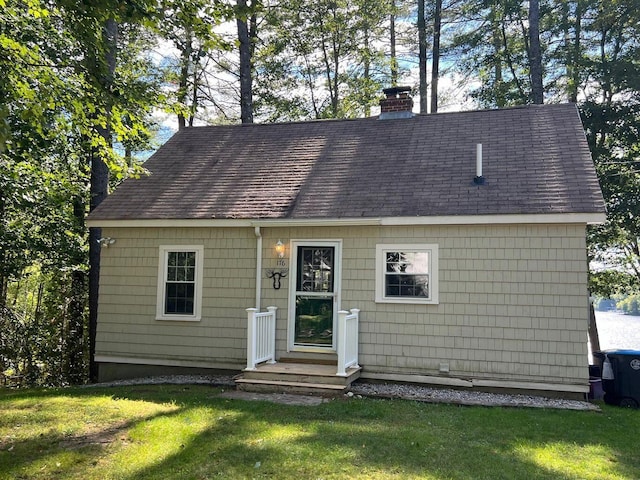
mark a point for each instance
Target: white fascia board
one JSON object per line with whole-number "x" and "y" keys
{"x": 172, "y": 222}
{"x": 230, "y": 223}
{"x": 583, "y": 218}
{"x": 552, "y": 218}
{"x": 319, "y": 222}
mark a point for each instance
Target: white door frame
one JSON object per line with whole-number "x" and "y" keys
{"x": 337, "y": 292}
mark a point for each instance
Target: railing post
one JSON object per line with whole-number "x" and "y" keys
{"x": 251, "y": 338}
{"x": 342, "y": 344}
{"x": 272, "y": 334}
{"x": 356, "y": 313}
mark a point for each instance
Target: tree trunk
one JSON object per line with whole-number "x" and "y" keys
{"x": 366, "y": 73}
{"x": 73, "y": 330}
{"x": 535, "y": 53}
{"x": 392, "y": 41}
{"x": 435, "y": 61}
{"x": 422, "y": 56}
{"x": 510, "y": 63}
{"x": 99, "y": 191}
{"x": 246, "y": 80}
{"x": 496, "y": 37}
{"x": 193, "y": 106}
{"x": 183, "y": 82}
{"x": 4, "y": 280}
{"x": 594, "y": 338}
{"x": 572, "y": 48}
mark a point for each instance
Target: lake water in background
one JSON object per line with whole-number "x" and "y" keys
{"x": 618, "y": 331}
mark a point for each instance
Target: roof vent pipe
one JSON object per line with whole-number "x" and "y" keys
{"x": 478, "y": 179}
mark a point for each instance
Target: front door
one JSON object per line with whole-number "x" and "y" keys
{"x": 314, "y": 299}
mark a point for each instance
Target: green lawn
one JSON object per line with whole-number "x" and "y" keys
{"x": 188, "y": 432}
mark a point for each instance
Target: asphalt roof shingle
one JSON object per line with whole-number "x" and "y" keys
{"x": 535, "y": 160}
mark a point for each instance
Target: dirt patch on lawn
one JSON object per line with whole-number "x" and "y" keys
{"x": 284, "y": 398}
{"x": 101, "y": 437}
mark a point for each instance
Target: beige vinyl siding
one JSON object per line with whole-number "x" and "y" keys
{"x": 127, "y": 327}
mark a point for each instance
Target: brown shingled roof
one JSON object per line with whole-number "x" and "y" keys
{"x": 536, "y": 160}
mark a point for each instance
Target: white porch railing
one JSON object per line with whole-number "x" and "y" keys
{"x": 347, "y": 340}
{"x": 261, "y": 336}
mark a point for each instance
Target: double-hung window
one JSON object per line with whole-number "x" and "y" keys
{"x": 407, "y": 273}
{"x": 180, "y": 283}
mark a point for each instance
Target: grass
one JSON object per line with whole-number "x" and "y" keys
{"x": 188, "y": 432}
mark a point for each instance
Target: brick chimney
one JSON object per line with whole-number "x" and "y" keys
{"x": 397, "y": 104}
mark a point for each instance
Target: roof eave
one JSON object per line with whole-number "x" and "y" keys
{"x": 588, "y": 218}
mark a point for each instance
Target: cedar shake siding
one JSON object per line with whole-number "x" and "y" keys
{"x": 513, "y": 301}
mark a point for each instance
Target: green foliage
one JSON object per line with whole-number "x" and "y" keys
{"x": 627, "y": 303}
{"x": 189, "y": 27}
{"x": 591, "y": 54}
{"x": 608, "y": 283}
{"x": 630, "y": 304}
{"x": 321, "y": 60}
{"x": 611, "y": 115}
{"x": 36, "y": 339}
{"x": 491, "y": 45}
{"x": 55, "y": 104}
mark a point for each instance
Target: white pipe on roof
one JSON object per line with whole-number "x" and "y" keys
{"x": 479, "y": 160}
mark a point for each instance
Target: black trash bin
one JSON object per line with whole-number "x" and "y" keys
{"x": 621, "y": 377}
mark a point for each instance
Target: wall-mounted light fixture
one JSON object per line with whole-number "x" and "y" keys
{"x": 280, "y": 249}
{"x": 106, "y": 241}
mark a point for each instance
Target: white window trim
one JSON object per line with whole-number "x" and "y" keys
{"x": 162, "y": 276}
{"x": 381, "y": 250}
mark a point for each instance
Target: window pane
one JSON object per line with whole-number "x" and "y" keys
{"x": 315, "y": 269}
{"x": 179, "y": 298}
{"x": 407, "y": 262}
{"x": 407, "y": 274}
{"x": 190, "y": 274}
{"x": 314, "y": 321}
{"x": 407, "y": 286}
{"x": 181, "y": 266}
{"x": 172, "y": 273}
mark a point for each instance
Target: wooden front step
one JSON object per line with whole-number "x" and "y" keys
{"x": 296, "y": 378}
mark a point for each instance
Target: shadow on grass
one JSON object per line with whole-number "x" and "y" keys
{"x": 382, "y": 445}
{"x": 406, "y": 439}
{"x": 372, "y": 439}
{"x": 16, "y": 455}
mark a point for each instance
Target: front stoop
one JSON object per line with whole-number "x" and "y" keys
{"x": 297, "y": 378}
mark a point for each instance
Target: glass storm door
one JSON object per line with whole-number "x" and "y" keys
{"x": 315, "y": 299}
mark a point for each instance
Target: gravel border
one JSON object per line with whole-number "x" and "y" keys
{"x": 465, "y": 397}
{"x": 382, "y": 390}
